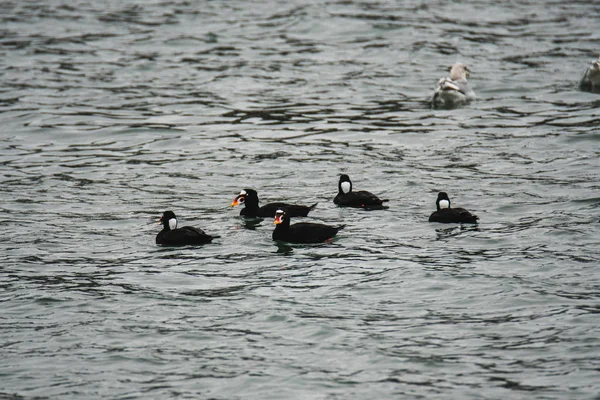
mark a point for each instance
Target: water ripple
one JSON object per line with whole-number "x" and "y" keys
{"x": 113, "y": 113}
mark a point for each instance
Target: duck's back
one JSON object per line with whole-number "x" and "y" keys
{"x": 306, "y": 232}
{"x": 186, "y": 235}
{"x": 453, "y": 215}
{"x": 360, "y": 199}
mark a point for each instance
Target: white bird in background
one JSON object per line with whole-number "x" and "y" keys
{"x": 591, "y": 79}
{"x": 454, "y": 90}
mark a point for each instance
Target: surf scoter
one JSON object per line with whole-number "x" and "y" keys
{"x": 454, "y": 90}
{"x": 361, "y": 199}
{"x": 249, "y": 197}
{"x": 173, "y": 236}
{"x": 447, "y": 215}
{"x": 302, "y": 232}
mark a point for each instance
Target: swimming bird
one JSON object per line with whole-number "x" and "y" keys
{"x": 302, "y": 232}
{"x": 173, "y": 236}
{"x": 454, "y": 91}
{"x": 361, "y": 199}
{"x": 447, "y": 215}
{"x": 590, "y": 82}
{"x": 249, "y": 197}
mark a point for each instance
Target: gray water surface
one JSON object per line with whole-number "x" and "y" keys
{"x": 113, "y": 112}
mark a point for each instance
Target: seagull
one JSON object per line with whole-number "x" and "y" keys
{"x": 454, "y": 90}
{"x": 591, "y": 79}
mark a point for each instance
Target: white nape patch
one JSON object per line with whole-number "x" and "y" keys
{"x": 444, "y": 204}
{"x": 346, "y": 186}
{"x": 243, "y": 193}
{"x": 173, "y": 223}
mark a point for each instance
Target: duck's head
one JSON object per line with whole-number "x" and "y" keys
{"x": 345, "y": 184}
{"x": 168, "y": 220}
{"x": 443, "y": 201}
{"x": 280, "y": 217}
{"x": 244, "y": 196}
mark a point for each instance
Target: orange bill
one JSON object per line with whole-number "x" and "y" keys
{"x": 236, "y": 202}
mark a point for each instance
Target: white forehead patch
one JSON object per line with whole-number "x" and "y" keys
{"x": 243, "y": 193}
{"x": 279, "y": 212}
{"x": 444, "y": 204}
{"x": 173, "y": 223}
{"x": 346, "y": 186}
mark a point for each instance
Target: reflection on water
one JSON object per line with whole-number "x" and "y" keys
{"x": 251, "y": 223}
{"x": 455, "y": 230}
{"x": 114, "y": 112}
{"x": 284, "y": 248}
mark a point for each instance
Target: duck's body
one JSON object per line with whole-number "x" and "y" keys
{"x": 447, "y": 215}
{"x": 455, "y": 90}
{"x": 170, "y": 235}
{"x": 453, "y": 216}
{"x": 302, "y": 232}
{"x": 590, "y": 82}
{"x": 359, "y": 199}
{"x": 249, "y": 197}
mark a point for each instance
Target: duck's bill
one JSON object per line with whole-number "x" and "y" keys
{"x": 278, "y": 219}
{"x": 236, "y": 202}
